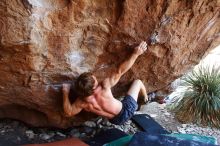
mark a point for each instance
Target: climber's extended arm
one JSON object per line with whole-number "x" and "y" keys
{"x": 125, "y": 66}
{"x": 70, "y": 109}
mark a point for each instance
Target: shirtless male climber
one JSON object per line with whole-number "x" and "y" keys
{"x": 97, "y": 97}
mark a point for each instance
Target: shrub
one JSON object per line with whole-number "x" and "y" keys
{"x": 201, "y": 101}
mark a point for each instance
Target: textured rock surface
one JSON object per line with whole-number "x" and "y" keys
{"x": 47, "y": 42}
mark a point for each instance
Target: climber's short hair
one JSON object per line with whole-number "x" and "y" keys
{"x": 85, "y": 84}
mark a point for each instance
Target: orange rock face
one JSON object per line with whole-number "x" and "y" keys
{"x": 45, "y": 43}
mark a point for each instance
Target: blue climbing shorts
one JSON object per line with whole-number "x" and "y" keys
{"x": 129, "y": 106}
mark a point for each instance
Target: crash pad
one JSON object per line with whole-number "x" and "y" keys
{"x": 143, "y": 138}
{"x": 66, "y": 142}
{"x": 195, "y": 137}
{"x": 120, "y": 142}
{"x": 106, "y": 136}
{"x": 148, "y": 124}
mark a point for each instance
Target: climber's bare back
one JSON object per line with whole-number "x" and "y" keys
{"x": 102, "y": 103}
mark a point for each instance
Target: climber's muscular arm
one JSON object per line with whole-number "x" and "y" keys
{"x": 125, "y": 66}
{"x": 70, "y": 109}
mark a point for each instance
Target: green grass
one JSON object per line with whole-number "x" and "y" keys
{"x": 201, "y": 101}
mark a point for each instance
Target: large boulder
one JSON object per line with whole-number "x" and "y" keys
{"x": 45, "y": 43}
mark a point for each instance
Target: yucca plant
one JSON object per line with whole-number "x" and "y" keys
{"x": 201, "y": 101}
